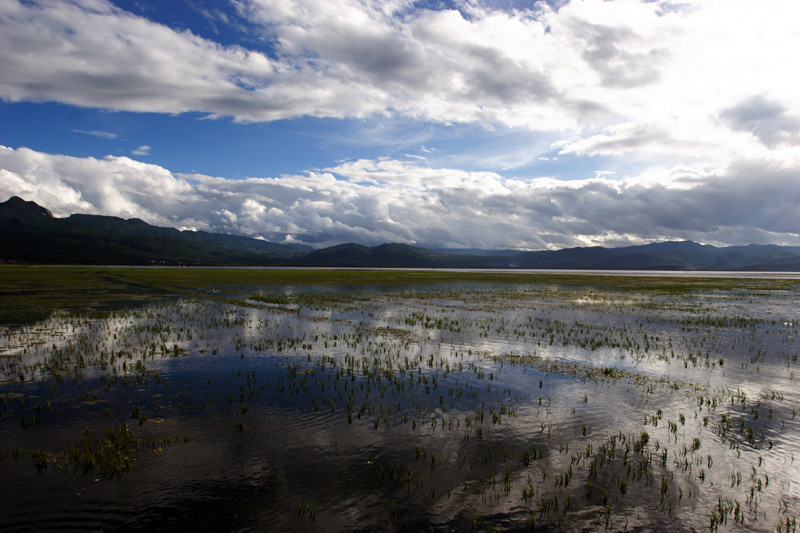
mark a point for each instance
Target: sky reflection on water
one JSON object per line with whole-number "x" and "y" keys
{"x": 455, "y": 407}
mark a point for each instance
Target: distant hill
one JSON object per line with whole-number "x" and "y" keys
{"x": 670, "y": 255}
{"x": 385, "y": 255}
{"x": 789, "y": 264}
{"x": 30, "y": 233}
{"x": 17, "y": 208}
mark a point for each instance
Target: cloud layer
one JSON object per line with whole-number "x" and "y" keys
{"x": 697, "y": 97}
{"x": 373, "y": 202}
{"x": 590, "y": 65}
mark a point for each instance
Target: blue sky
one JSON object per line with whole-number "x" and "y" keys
{"x": 504, "y": 124}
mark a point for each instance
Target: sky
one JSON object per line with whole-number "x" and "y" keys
{"x": 502, "y": 124}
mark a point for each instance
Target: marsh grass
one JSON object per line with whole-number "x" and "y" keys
{"x": 556, "y": 401}
{"x": 32, "y": 293}
{"x": 111, "y": 456}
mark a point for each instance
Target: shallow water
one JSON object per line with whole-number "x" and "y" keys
{"x": 453, "y": 406}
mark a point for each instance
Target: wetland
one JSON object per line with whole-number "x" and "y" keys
{"x": 338, "y": 400}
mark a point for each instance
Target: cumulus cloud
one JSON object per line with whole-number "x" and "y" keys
{"x": 117, "y": 186}
{"x": 555, "y": 66}
{"x": 373, "y": 202}
{"x": 93, "y": 54}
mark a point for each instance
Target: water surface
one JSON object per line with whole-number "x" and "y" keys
{"x": 454, "y": 405}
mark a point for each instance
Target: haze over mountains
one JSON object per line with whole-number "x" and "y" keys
{"x": 30, "y": 233}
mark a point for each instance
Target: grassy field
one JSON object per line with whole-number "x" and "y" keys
{"x": 405, "y": 400}
{"x": 31, "y": 293}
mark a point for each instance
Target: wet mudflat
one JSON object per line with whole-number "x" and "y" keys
{"x": 348, "y": 401}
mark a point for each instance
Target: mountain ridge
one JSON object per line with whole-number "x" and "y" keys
{"x": 31, "y": 234}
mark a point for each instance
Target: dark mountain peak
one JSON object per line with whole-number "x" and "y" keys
{"x": 391, "y": 245}
{"x": 399, "y": 247}
{"x": 29, "y": 232}
{"x": 402, "y": 255}
{"x": 670, "y": 246}
{"x": 384, "y": 255}
{"x": 346, "y": 247}
{"x": 106, "y": 222}
{"x": 16, "y": 207}
{"x": 348, "y": 254}
{"x": 582, "y": 257}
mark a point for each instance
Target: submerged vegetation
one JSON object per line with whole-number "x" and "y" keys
{"x": 337, "y": 400}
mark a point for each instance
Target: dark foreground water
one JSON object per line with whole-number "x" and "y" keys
{"x": 454, "y": 407}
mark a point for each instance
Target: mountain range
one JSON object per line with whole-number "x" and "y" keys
{"x": 30, "y": 233}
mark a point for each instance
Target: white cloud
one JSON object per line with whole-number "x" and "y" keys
{"x": 117, "y": 186}
{"x": 699, "y": 97}
{"x": 373, "y": 202}
{"x": 586, "y": 69}
{"x": 101, "y": 134}
{"x": 93, "y": 54}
